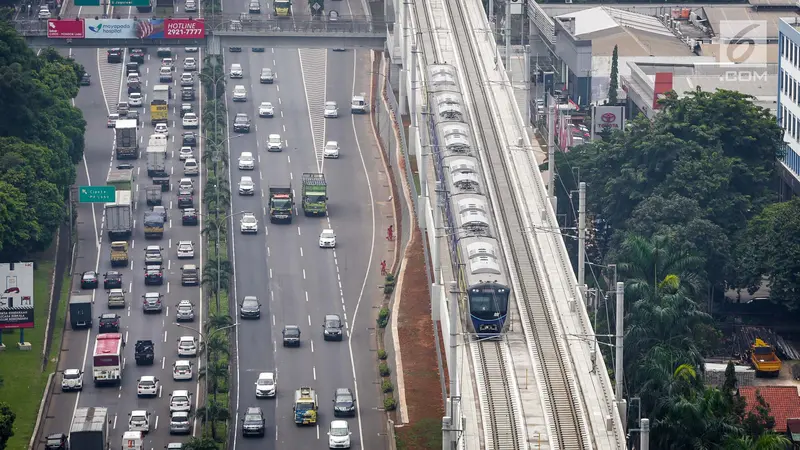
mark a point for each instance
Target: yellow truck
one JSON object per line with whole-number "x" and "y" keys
{"x": 764, "y": 359}
{"x": 305, "y": 406}
{"x": 119, "y": 254}
{"x": 159, "y": 105}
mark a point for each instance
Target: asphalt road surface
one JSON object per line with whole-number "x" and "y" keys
{"x": 296, "y": 281}
{"x": 96, "y": 100}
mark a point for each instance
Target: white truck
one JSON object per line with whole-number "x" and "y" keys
{"x": 89, "y": 429}
{"x": 157, "y": 161}
{"x": 119, "y": 216}
{"x": 126, "y": 144}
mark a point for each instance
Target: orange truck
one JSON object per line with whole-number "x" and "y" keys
{"x": 764, "y": 359}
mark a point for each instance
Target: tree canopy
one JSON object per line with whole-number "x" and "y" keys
{"x": 42, "y": 140}
{"x": 681, "y": 204}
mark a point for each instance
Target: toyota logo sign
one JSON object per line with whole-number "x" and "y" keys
{"x": 608, "y": 117}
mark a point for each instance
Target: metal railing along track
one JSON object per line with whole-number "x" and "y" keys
{"x": 496, "y": 395}
{"x": 566, "y": 421}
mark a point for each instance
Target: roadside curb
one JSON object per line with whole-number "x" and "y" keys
{"x": 397, "y": 265}
{"x": 42, "y": 408}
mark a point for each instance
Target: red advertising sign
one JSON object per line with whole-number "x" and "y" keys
{"x": 184, "y": 29}
{"x": 65, "y": 29}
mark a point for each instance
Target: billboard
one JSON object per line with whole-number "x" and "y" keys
{"x": 65, "y": 29}
{"x": 608, "y": 117}
{"x": 184, "y": 28}
{"x": 16, "y": 295}
{"x": 124, "y": 29}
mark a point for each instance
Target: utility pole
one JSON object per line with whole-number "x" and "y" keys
{"x": 644, "y": 434}
{"x": 527, "y": 80}
{"x": 619, "y": 368}
{"x": 451, "y": 424}
{"x": 551, "y": 150}
{"x": 406, "y": 59}
{"x": 508, "y": 36}
{"x": 581, "y": 236}
{"x": 491, "y": 17}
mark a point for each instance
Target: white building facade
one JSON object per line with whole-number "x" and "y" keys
{"x": 788, "y": 110}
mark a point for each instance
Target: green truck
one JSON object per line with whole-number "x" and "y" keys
{"x": 315, "y": 194}
{"x": 281, "y": 202}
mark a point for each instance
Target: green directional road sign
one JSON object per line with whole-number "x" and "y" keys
{"x": 96, "y": 194}
{"x": 87, "y": 2}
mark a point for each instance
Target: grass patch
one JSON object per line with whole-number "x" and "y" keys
{"x": 58, "y": 327}
{"x": 426, "y": 434}
{"x": 224, "y": 309}
{"x": 21, "y": 371}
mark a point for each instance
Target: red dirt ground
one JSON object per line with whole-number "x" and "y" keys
{"x": 420, "y": 368}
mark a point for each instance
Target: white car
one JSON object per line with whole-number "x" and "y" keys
{"x": 248, "y": 223}
{"x": 44, "y": 12}
{"x": 72, "y": 380}
{"x": 182, "y": 370}
{"x": 246, "y": 161}
{"x": 190, "y": 167}
{"x": 147, "y": 386}
{"x": 236, "y": 69}
{"x": 331, "y": 150}
{"x": 187, "y": 79}
{"x": 186, "y": 184}
{"x": 239, "y": 93}
{"x": 247, "y": 186}
{"x": 339, "y": 434}
{"x": 190, "y": 120}
{"x": 191, "y": 6}
{"x": 161, "y": 128}
{"x": 189, "y": 64}
{"x": 274, "y": 143}
{"x": 139, "y": 421}
{"x": 180, "y": 400}
{"x": 167, "y": 62}
{"x": 331, "y": 111}
{"x": 185, "y": 249}
{"x": 327, "y": 239}
{"x": 265, "y": 109}
{"x": 266, "y": 385}
{"x": 185, "y": 153}
{"x": 135, "y": 99}
{"x": 187, "y": 346}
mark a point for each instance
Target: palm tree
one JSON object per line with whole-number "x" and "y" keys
{"x": 213, "y": 411}
{"x": 216, "y": 345}
{"x": 215, "y": 224}
{"x": 217, "y": 194}
{"x": 217, "y": 374}
{"x": 217, "y": 321}
{"x": 217, "y": 270}
{"x": 210, "y": 152}
{"x": 767, "y": 441}
{"x": 199, "y": 443}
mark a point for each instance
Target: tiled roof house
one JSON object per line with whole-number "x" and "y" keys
{"x": 784, "y": 405}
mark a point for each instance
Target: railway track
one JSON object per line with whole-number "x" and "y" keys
{"x": 562, "y": 399}
{"x": 496, "y": 395}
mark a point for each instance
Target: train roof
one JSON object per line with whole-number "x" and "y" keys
{"x": 471, "y": 213}
{"x": 442, "y": 77}
{"x": 448, "y": 105}
{"x": 454, "y": 137}
{"x": 483, "y": 259}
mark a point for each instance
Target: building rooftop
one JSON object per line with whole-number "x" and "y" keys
{"x": 783, "y": 402}
{"x": 715, "y": 15}
{"x": 633, "y": 33}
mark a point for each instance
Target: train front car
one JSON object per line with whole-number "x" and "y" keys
{"x": 488, "y": 308}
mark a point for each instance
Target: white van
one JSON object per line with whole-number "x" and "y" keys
{"x": 132, "y": 440}
{"x": 339, "y": 434}
{"x": 236, "y": 71}
{"x": 190, "y": 167}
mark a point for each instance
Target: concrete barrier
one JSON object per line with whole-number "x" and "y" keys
{"x": 42, "y": 409}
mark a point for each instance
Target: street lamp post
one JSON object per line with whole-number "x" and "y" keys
{"x": 204, "y": 339}
{"x": 218, "y": 225}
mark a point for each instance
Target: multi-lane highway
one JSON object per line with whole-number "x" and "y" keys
{"x": 96, "y": 101}
{"x": 296, "y": 281}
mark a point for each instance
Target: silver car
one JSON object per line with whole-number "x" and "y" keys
{"x": 152, "y": 302}
{"x": 179, "y": 423}
{"x": 331, "y": 110}
{"x": 185, "y": 311}
{"x": 247, "y": 186}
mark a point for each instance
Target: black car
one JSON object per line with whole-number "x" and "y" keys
{"x": 185, "y": 201}
{"x": 142, "y": 50}
{"x": 241, "y": 123}
{"x": 131, "y": 67}
{"x": 137, "y": 58}
{"x": 86, "y": 80}
{"x": 56, "y": 441}
{"x": 332, "y": 328}
{"x": 114, "y": 55}
{"x": 109, "y": 323}
{"x": 164, "y": 52}
{"x": 189, "y": 139}
{"x": 186, "y": 108}
{"x": 291, "y": 336}
{"x": 125, "y": 165}
{"x": 153, "y": 275}
{"x": 112, "y": 280}
{"x": 344, "y": 403}
{"x": 189, "y": 216}
{"x": 187, "y": 94}
{"x": 250, "y": 308}
{"x": 253, "y": 422}
{"x": 89, "y": 280}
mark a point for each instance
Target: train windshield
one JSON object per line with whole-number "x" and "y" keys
{"x": 488, "y": 305}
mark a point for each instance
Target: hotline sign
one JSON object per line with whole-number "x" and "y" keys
{"x": 184, "y": 29}
{"x": 65, "y": 29}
